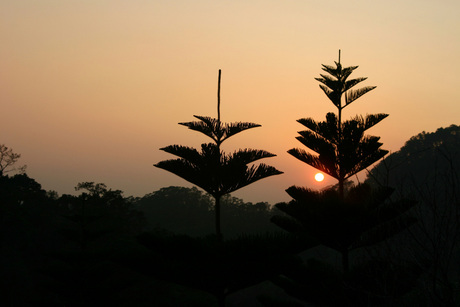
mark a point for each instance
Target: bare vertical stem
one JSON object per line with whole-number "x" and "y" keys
{"x": 218, "y": 97}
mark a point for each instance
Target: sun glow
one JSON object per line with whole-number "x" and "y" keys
{"x": 319, "y": 177}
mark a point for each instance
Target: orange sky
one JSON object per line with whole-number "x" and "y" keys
{"x": 90, "y": 90}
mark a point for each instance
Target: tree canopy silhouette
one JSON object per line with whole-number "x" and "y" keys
{"x": 342, "y": 147}
{"x": 211, "y": 169}
{"x": 333, "y": 217}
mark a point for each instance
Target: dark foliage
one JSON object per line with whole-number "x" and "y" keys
{"x": 342, "y": 218}
{"x": 27, "y": 230}
{"x": 179, "y": 210}
{"x": 98, "y": 214}
{"x": 54, "y": 254}
{"x": 342, "y": 223}
{"x": 342, "y": 147}
{"x": 426, "y": 160}
{"x": 8, "y": 159}
{"x": 373, "y": 283}
{"x": 343, "y": 150}
{"x": 189, "y": 211}
{"x": 217, "y": 267}
{"x": 213, "y": 170}
{"x": 426, "y": 168}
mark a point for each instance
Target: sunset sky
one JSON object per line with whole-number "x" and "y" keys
{"x": 91, "y": 89}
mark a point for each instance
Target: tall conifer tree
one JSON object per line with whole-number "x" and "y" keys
{"x": 334, "y": 217}
{"x": 343, "y": 148}
{"x": 211, "y": 169}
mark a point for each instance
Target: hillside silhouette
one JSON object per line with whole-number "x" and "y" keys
{"x": 428, "y": 162}
{"x": 426, "y": 169}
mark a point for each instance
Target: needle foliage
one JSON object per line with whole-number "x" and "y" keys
{"x": 213, "y": 170}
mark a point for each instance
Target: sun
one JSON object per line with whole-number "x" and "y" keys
{"x": 319, "y": 177}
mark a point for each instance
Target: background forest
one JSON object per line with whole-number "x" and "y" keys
{"x": 102, "y": 247}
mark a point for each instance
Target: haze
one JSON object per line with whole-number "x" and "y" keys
{"x": 90, "y": 90}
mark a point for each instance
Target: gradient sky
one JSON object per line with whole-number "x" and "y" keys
{"x": 91, "y": 89}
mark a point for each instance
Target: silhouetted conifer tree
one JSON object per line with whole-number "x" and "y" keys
{"x": 213, "y": 170}
{"x": 343, "y": 148}
{"x": 342, "y": 217}
{"x": 335, "y": 218}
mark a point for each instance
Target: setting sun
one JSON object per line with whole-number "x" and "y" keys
{"x": 319, "y": 177}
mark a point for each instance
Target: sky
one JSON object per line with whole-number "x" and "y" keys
{"x": 91, "y": 89}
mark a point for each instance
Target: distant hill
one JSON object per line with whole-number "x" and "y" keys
{"x": 428, "y": 162}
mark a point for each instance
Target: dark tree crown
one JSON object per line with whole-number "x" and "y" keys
{"x": 341, "y": 149}
{"x": 341, "y": 153}
{"x": 216, "y": 172}
{"x": 217, "y": 130}
{"x": 341, "y": 223}
{"x": 336, "y": 84}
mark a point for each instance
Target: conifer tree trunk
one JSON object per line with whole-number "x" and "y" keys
{"x": 339, "y": 107}
{"x": 339, "y": 154}
{"x": 345, "y": 261}
{"x": 221, "y": 299}
{"x": 217, "y": 212}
